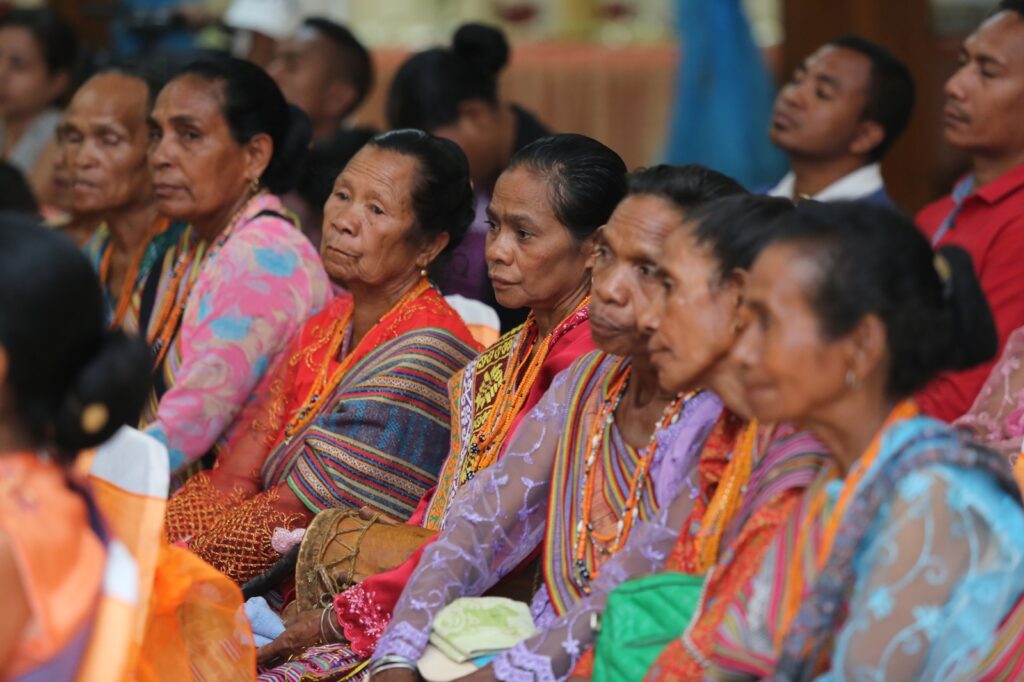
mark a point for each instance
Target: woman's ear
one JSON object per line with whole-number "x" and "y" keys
{"x": 259, "y": 150}
{"x": 432, "y": 249}
{"x": 868, "y": 345}
{"x": 737, "y": 283}
{"x": 590, "y": 247}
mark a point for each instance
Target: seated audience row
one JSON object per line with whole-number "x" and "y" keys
{"x": 717, "y": 447}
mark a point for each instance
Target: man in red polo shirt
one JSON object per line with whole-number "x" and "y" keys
{"x": 984, "y": 116}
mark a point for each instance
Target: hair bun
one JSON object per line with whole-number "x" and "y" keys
{"x": 108, "y": 393}
{"x": 482, "y": 46}
{"x": 974, "y": 338}
{"x": 283, "y": 170}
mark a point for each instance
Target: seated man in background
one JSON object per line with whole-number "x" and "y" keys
{"x": 985, "y": 212}
{"x": 324, "y": 70}
{"x": 837, "y": 116}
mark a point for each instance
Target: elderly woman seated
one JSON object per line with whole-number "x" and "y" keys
{"x": 356, "y": 413}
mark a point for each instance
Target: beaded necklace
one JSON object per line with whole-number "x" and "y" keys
{"x": 525, "y": 362}
{"x": 727, "y": 499}
{"x": 906, "y": 409}
{"x": 324, "y": 385}
{"x": 603, "y": 422}
{"x": 128, "y": 286}
{"x": 198, "y": 252}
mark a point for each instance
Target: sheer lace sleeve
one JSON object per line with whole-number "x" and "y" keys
{"x": 554, "y": 651}
{"x": 935, "y": 581}
{"x": 497, "y": 520}
{"x": 997, "y": 416}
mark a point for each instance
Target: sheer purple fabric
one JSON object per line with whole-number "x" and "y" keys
{"x": 499, "y": 519}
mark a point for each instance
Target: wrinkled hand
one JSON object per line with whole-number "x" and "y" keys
{"x": 300, "y": 634}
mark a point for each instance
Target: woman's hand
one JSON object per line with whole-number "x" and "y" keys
{"x": 302, "y": 633}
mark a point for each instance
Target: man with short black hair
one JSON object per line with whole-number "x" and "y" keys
{"x": 325, "y": 71}
{"x": 985, "y": 212}
{"x": 837, "y": 117}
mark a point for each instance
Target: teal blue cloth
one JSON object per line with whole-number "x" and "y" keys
{"x": 155, "y": 251}
{"x": 724, "y": 96}
{"x": 926, "y": 564}
{"x": 266, "y": 625}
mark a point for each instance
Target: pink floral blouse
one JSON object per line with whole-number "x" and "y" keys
{"x": 249, "y": 297}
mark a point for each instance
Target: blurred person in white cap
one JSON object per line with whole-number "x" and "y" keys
{"x": 261, "y": 24}
{"x": 324, "y": 70}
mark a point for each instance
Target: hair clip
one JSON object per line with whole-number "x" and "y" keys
{"x": 945, "y": 273}
{"x": 94, "y": 418}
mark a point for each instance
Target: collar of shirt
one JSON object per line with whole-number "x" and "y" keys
{"x": 860, "y": 183}
{"x": 1008, "y": 182}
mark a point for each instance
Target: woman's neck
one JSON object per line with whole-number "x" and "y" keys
{"x": 209, "y": 227}
{"x": 371, "y": 303}
{"x": 130, "y": 227}
{"x": 642, "y": 404}
{"x": 724, "y": 381}
{"x": 643, "y": 388}
{"x": 848, "y": 426}
{"x": 550, "y": 317}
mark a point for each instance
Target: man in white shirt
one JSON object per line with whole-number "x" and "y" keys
{"x": 837, "y": 116}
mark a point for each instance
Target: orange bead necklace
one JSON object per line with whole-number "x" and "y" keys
{"x": 526, "y": 361}
{"x": 326, "y": 381}
{"x": 187, "y": 266}
{"x": 727, "y": 499}
{"x": 127, "y": 293}
{"x": 795, "y": 581}
{"x": 603, "y": 422}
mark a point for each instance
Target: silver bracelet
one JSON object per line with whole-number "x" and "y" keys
{"x": 391, "y": 662}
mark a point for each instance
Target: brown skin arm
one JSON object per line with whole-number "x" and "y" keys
{"x": 300, "y": 634}
{"x": 15, "y": 615}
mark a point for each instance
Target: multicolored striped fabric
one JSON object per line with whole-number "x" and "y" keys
{"x": 381, "y": 438}
{"x": 331, "y": 662}
{"x": 787, "y": 461}
{"x": 616, "y": 465}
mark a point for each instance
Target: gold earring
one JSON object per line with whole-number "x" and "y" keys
{"x": 254, "y": 185}
{"x": 423, "y": 272}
